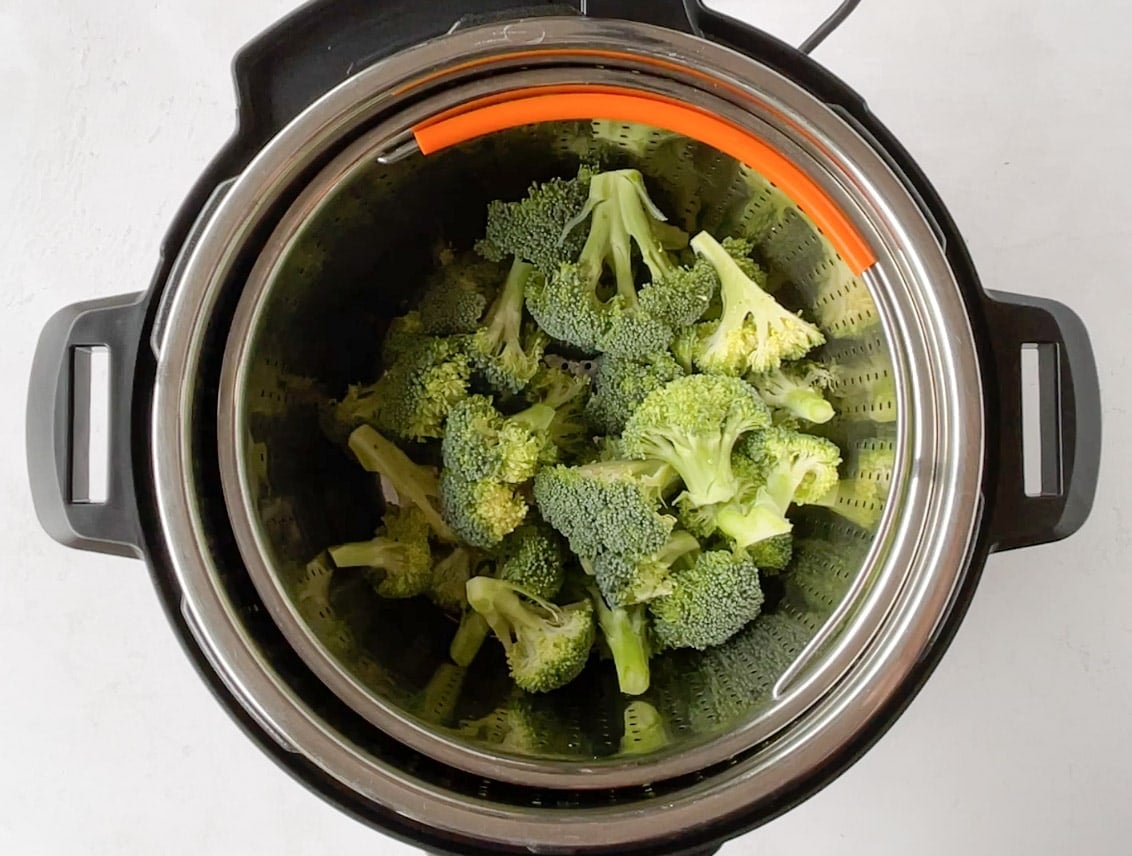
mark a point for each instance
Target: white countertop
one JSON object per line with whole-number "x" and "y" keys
{"x": 1020, "y": 111}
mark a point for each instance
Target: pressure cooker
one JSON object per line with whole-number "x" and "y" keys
{"x": 366, "y": 131}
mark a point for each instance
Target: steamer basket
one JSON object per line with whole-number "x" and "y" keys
{"x": 353, "y": 252}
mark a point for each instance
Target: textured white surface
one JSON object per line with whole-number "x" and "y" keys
{"x": 1020, "y": 112}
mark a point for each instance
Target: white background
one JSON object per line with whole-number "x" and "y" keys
{"x": 1021, "y": 113}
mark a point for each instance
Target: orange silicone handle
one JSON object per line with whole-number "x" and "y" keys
{"x": 556, "y": 104}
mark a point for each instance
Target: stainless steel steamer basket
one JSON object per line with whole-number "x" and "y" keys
{"x": 952, "y": 457}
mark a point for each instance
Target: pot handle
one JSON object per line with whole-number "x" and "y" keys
{"x": 58, "y": 426}
{"x": 1069, "y": 415}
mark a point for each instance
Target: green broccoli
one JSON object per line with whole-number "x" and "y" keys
{"x": 547, "y": 646}
{"x": 692, "y": 424}
{"x": 569, "y": 303}
{"x": 629, "y": 577}
{"x": 627, "y": 633}
{"x": 607, "y": 505}
{"x": 754, "y": 333}
{"x": 481, "y": 443}
{"x": 797, "y": 388}
{"x": 469, "y": 638}
{"x": 531, "y": 558}
{"x": 449, "y": 578}
{"x": 772, "y": 554}
{"x": 504, "y": 350}
{"x": 711, "y": 600}
{"x": 458, "y": 294}
{"x": 402, "y": 335}
{"x": 568, "y": 394}
{"x": 783, "y": 468}
{"x": 481, "y": 511}
{"x": 622, "y": 384}
{"x": 413, "y": 397}
{"x": 542, "y": 228}
{"x": 400, "y": 552}
{"x": 412, "y": 483}
{"x": 645, "y": 731}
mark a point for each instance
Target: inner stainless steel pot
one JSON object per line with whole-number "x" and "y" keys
{"x": 917, "y": 348}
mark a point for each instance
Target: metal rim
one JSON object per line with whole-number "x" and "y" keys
{"x": 942, "y": 456}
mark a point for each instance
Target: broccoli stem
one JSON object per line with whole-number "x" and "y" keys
{"x": 504, "y": 322}
{"x": 809, "y": 405}
{"x": 750, "y": 526}
{"x": 378, "y": 553}
{"x": 505, "y": 612}
{"x": 411, "y": 481}
{"x": 704, "y": 465}
{"x": 678, "y": 545}
{"x": 626, "y": 633}
{"x": 537, "y": 418}
{"x": 621, "y": 214}
{"x": 469, "y": 638}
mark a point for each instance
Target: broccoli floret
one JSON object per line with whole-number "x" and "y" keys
{"x": 797, "y": 388}
{"x": 449, "y": 577}
{"x": 541, "y": 229}
{"x": 754, "y": 333}
{"x": 413, "y": 484}
{"x": 481, "y": 511}
{"x": 685, "y": 346}
{"x": 403, "y": 334}
{"x": 570, "y": 304}
{"x": 547, "y": 646}
{"x": 772, "y": 554}
{"x": 607, "y": 506}
{"x": 683, "y": 295}
{"x": 504, "y": 350}
{"x": 400, "y": 552}
{"x": 627, "y": 633}
{"x": 627, "y": 578}
{"x": 436, "y": 703}
{"x": 532, "y": 558}
{"x": 482, "y": 443}
{"x": 645, "y": 731}
{"x": 622, "y": 384}
{"x": 567, "y": 393}
{"x": 692, "y": 424}
{"x": 569, "y": 307}
{"x": 711, "y": 601}
{"x": 413, "y": 397}
{"x": 784, "y": 468}
{"x": 458, "y": 294}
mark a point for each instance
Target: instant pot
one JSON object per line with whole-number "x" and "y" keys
{"x": 369, "y": 130}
